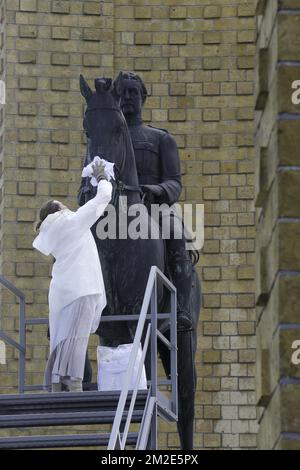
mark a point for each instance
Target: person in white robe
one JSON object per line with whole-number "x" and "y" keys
{"x": 77, "y": 292}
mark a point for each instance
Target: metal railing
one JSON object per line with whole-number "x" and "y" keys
{"x": 157, "y": 403}
{"x": 21, "y": 346}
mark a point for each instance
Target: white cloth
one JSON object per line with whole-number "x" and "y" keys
{"x": 77, "y": 270}
{"x": 77, "y": 321}
{"x": 108, "y": 170}
{"x": 113, "y": 368}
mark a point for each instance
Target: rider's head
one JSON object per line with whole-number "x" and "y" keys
{"x": 133, "y": 93}
{"x": 50, "y": 207}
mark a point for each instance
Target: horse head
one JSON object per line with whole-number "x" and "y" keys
{"x": 106, "y": 128}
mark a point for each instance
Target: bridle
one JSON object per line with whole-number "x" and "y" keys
{"x": 118, "y": 185}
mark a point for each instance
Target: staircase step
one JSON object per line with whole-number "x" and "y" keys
{"x": 62, "y": 419}
{"x": 65, "y": 402}
{"x": 54, "y": 441}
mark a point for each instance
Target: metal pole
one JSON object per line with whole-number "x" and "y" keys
{"x": 22, "y": 354}
{"x": 173, "y": 352}
{"x": 153, "y": 306}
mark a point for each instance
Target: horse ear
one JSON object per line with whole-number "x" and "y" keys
{"x": 117, "y": 90}
{"x": 103, "y": 84}
{"x": 84, "y": 88}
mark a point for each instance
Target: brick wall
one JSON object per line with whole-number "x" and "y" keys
{"x": 277, "y": 201}
{"x": 197, "y": 58}
{"x": 2, "y": 77}
{"x": 2, "y": 117}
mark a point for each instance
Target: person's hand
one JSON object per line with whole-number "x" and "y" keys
{"x": 98, "y": 171}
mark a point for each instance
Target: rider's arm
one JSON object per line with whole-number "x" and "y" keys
{"x": 170, "y": 169}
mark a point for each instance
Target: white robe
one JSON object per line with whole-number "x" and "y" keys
{"x": 77, "y": 270}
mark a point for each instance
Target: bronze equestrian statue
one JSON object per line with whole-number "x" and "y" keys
{"x": 147, "y": 164}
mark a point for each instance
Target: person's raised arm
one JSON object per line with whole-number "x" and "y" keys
{"x": 90, "y": 212}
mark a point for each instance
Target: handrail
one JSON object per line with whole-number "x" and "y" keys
{"x": 150, "y": 300}
{"x": 156, "y": 402}
{"x": 137, "y": 340}
{"x": 21, "y": 346}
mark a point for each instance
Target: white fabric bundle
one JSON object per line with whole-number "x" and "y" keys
{"x": 108, "y": 170}
{"x": 112, "y": 368}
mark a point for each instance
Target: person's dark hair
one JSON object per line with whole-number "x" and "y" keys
{"x": 137, "y": 78}
{"x": 48, "y": 208}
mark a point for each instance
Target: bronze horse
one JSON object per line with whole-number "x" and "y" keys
{"x": 126, "y": 263}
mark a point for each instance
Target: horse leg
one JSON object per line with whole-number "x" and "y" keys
{"x": 186, "y": 388}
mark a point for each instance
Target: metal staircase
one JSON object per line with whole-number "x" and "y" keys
{"x": 120, "y": 409}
